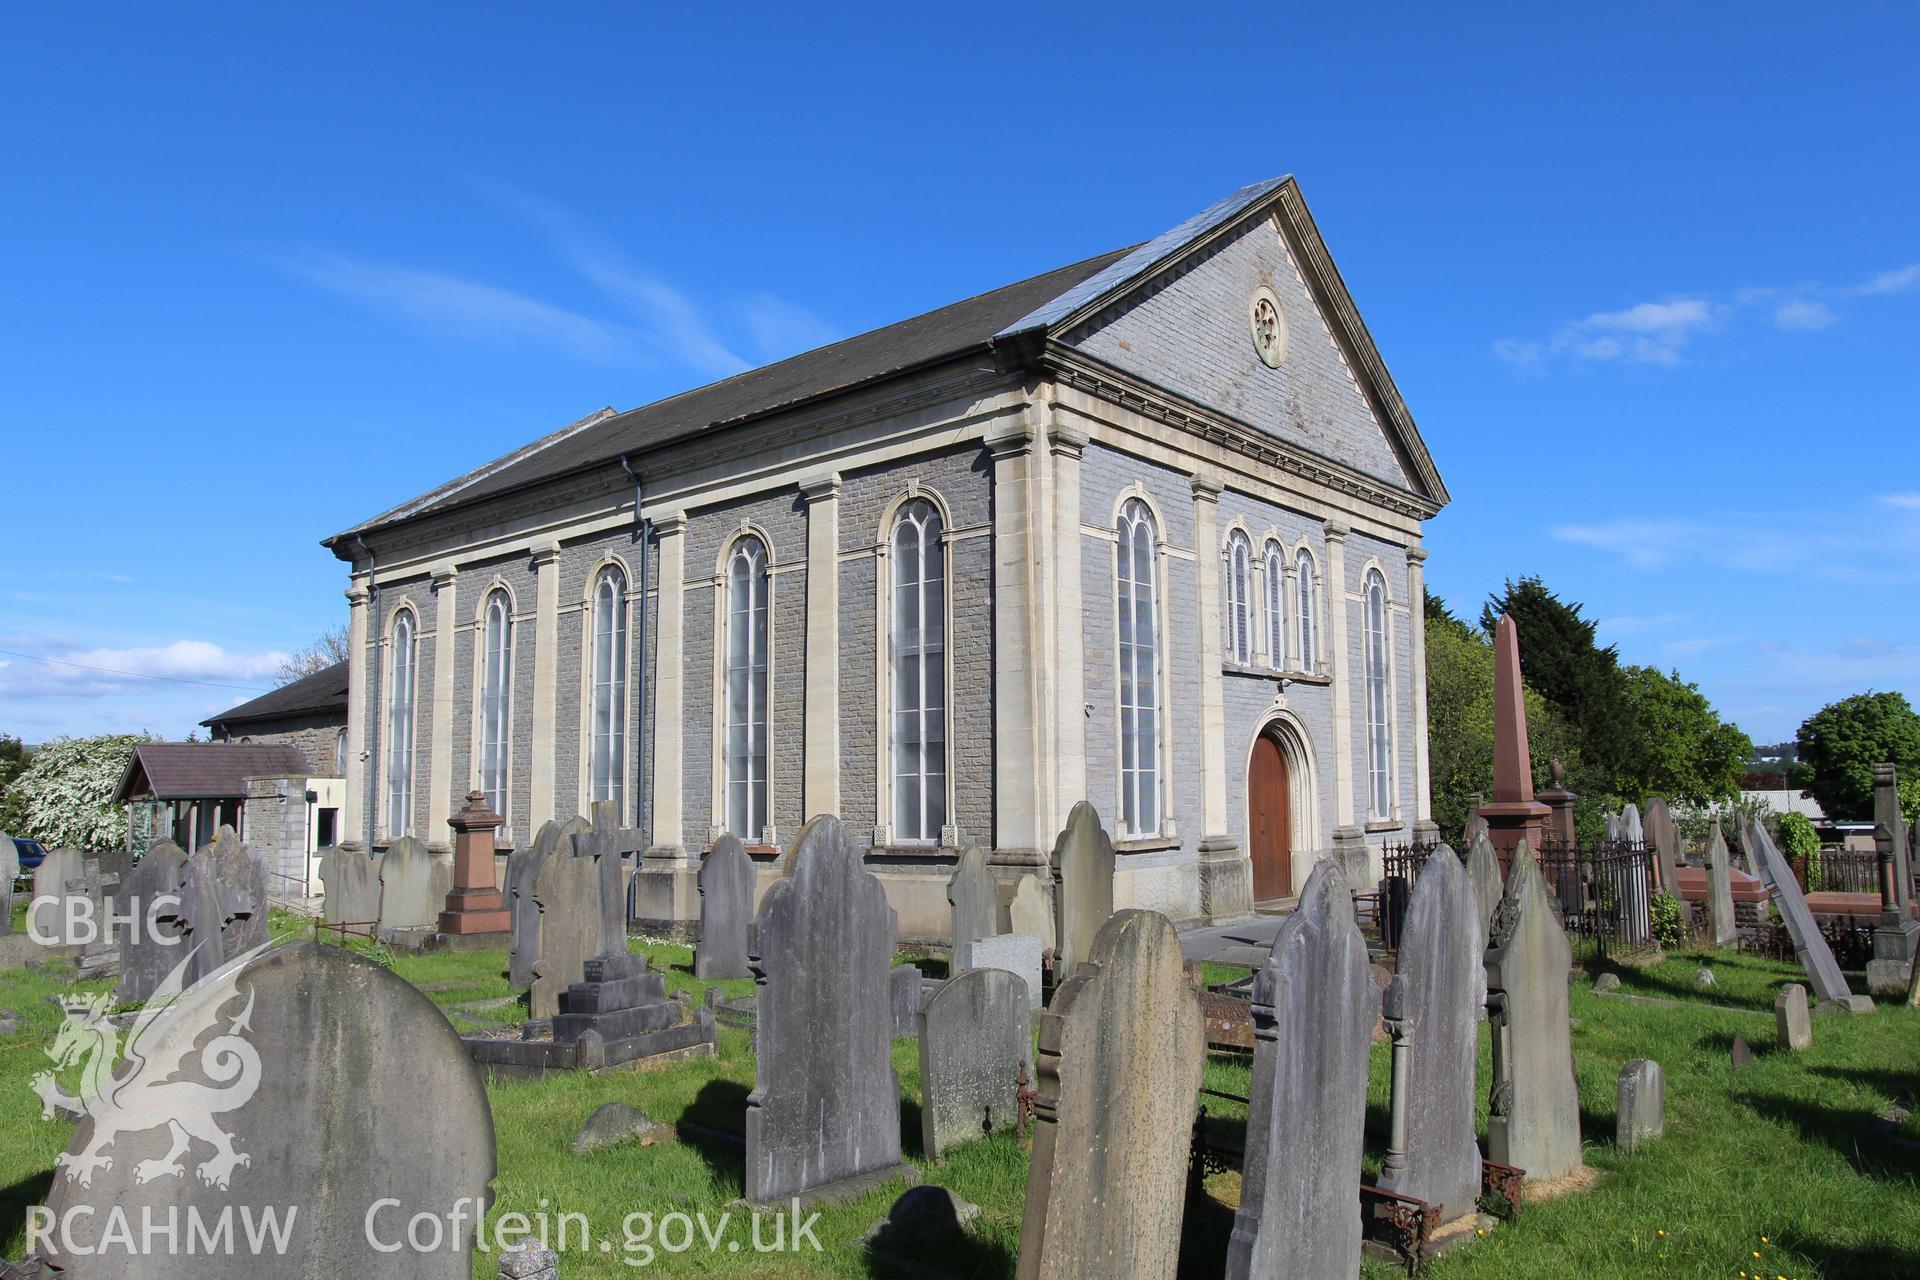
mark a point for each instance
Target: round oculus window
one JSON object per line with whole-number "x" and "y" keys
{"x": 1269, "y": 327}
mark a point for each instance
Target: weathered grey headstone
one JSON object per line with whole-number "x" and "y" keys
{"x": 222, "y": 912}
{"x": 1616, "y": 830}
{"x": 1121, "y": 1055}
{"x": 1483, "y": 868}
{"x": 824, "y": 1114}
{"x": 726, "y": 911}
{"x": 1431, "y": 1013}
{"x": 974, "y": 911}
{"x": 1632, "y": 829}
{"x": 1083, "y": 887}
{"x": 567, "y": 894}
{"x": 48, "y": 912}
{"x": 609, "y": 845}
{"x": 352, "y": 883}
{"x": 1816, "y": 958}
{"x": 1314, "y": 1003}
{"x": 903, "y": 998}
{"x": 1742, "y": 1054}
{"x": 1886, "y": 812}
{"x": 1721, "y": 924}
{"x": 1534, "y": 1120}
{"x": 1476, "y": 825}
{"x": 1606, "y": 984}
{"x": 617, "y": 1122}
{"x": 150, "y": 946}
{"x": 1017, "y": 953}
{"x": 1703, "y": 978}
{"x": 1663, "y": 836}
{"x": 1642, "y": 1116}
{"x": 1791, "y": 1019}
{"x": 554, "y": 839}
{"x": 407, "y": 886}
{"x": 1030, "y": 912}
{"x": 244, "y": 877}
{"x": 252, "y": 1091}
{"x": 974, "y": 1038}
{"x": 9, "y": 872}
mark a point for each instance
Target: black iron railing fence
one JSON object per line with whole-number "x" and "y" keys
{"x": 1838, "y": 871}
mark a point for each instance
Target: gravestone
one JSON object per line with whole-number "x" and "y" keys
{"x": 9, "y": 872}
{"x": 253, "y": 1091}
{"x": 1721, "y": 923}
{"x": 100, "y": 956}
{"x": 566, "y": 892}
{"x": 1082, "y": 887}
{"x": 1790, "y": 1018}
{"x": 1017, "y": 953}
{"x": 352, "y": 883}
{"x": 1632, "y": 829}
{"x": 1030, "y": 912}
{"x": 974, "y": 911}
{"x": 1314, "y": 1003}
{"x": 1432, "y": 1012}
{"x": 824, "y": 1116}
{"x": 414, "y": 884}
{"x": 1483, "y": 868}
{"x": 245, "y": 877}
{"x": 1534, "y": 1119}
{"x": 609, "y": 844}
{"x": 48, "y": 911}
{"x": 222, "y": 912}
{"x": 1663, "y": 837}
{"x": 554, "y": 839}
{"x": 1120, "y": 1058}
{"x": 974, "y": 1039}
{"x": 903, "y": 999}
{"x": 1642, "y": 1114}
{"x": 726, "y": 910}
{"x": 150, "y": 947}
{"x": 1896, "y": 939}
{"x": 1816, "y": 957}
{"x": 1742, "y": 1056}
{"x": 1616, "y": 830}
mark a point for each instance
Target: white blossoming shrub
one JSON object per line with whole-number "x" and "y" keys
{"x": 65, "y": 796}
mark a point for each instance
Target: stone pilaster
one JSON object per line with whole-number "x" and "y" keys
{"x": 1021, "y": 824}
{"x": 1069, "y": 657}
{"x": 1226, "y": 878}
{"x": 821, "y": 786}
{"x": 440, "y": 750}
{"x": 1348, "y": 839}
{"x": 353, "y": 816}
{"x": 1424, "y": 827}
{"x": 666, "y": 892}
{"x": 546, "y": 674}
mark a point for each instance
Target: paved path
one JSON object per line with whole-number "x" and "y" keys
{"x": 1245, "y": 943}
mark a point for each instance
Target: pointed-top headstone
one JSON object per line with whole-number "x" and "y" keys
{"x": 1031, "y": 913}
{"x": 1432, "y": 1010}
{"x": 1483, "y": 868}
{"x": 1720, "y": 918}
{"x": 1535, "y": 1115}
{"x": 523, "y": 870}
{"x": 608, "y": 844}
{"x": 48, "y": 908}
{"x": 1121, "y": 1055}
{"x": 567, "y": 892}
{"x": 1083, "y": 886}
{"x": 1632, "y": 829}
{"x": 974, "y": 911}
{"x": 150, "y": 948}
{"x": 1616, "y": 830}
{"x": 1314, "y": 1004}
{"x": 727, "y": 880}
{"x": 1816, "y": 957}
{"x": 824, "y": 1115}
{"x": 1663, "y": 834}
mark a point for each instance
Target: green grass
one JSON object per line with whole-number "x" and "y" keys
{"x": 1790, "y": 1149}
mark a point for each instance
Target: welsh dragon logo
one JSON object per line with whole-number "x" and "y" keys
{"x": 148, "y": 1089}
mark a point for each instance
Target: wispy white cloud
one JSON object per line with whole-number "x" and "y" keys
{"x": 1898, "y": 280}
{"x": 1803, "y": 313}
{"x": 1838, "y": 547}
{"x": 39, "y": 670}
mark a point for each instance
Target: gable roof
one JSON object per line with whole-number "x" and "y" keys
{"x": 204, "y": 770}
{"x": 322, "y": 692}
{"x": 1035, "y": 308}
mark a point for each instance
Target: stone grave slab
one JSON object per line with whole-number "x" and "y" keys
{"x": 974, "y": 910}
{"x": 1314, "y": 1005}
{"x": 352, "y": 883}
{"x": 1017, "y": 953}
{"x": 1083, "y": 887}
{"x": 974, "y": 1039}
{"x": 1642, "y": 1114}
{"x": 9, "y": 872}
{"x": 1483, "y": 868}
{"x": 1663, "y": 837}
{"x": 567, "y": 894}
{"x": 250, "y": 1091}
{"x": 1030, "y": 912}
{"x": 904, "y": 983}
{"x": 48, "y": 912}
{"x": 727, "y": 882}
{"x": 412, "y": 889}
{"x": 150, "y": 948}
{"x": 245, "y": 877}
{"x": 1816, "y": 958}
{"x": 1120, "y": 1058}
{"x": 1535, "y": 1115}
{"x": 1791, "y": 1019}
{"x": 523, "y": 869}
{"x": 1722, "y": 925}
{"x": 823, "y": 1119}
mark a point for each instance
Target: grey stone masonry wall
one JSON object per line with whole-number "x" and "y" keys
{"x": 1193, "y": 336}
{"x": 710, "y": 531}
{"x": 315, "y": 736}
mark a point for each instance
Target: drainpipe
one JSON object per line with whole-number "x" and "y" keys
{"x": 371, "y": 794}
{"x": 640, "y": 729}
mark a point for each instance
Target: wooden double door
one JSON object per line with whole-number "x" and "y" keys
{"x": 1270, "y": 820}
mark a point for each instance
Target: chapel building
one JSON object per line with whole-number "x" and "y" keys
{"x": 1144, "y": 530}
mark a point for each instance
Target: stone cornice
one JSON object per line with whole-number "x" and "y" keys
{"x": 820, "y": 487}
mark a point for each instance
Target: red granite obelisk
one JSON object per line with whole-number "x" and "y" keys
{"x": 1513, "y": 813}
{"x": 475, "y": 904}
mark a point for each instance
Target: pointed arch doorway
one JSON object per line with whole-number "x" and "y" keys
{"x": 1270, "y": 819}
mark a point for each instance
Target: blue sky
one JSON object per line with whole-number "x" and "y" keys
{"x": 1649, "y": 277}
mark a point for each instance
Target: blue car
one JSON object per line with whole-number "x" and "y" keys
{"x": 32, "y": 854}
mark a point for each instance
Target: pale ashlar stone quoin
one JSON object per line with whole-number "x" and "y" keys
{"x": 1314, "y": 1004}
{"x": 1534, "y": 1120}
{"x": 1121, "y": 1054}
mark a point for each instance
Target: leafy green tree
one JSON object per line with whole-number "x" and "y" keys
{"x": 1796, "y": 836}
{"x": 65, "y": 797}
{"x": 1563, "y": 662}
{"x": 1683, "y": 750}
{"x": 14, "y": 758}
{"x": 1840, "y": 744}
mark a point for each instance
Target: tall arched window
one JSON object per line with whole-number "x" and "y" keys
{"x": 1379, "y": 713}
{"x": 400, "y": 729}
{"x": 340, "y": 753}
{"x": 1239, "y": 598}
{"x": 746, "y": 687}
{"x": 607, "y": 747}
{"x": 1309, "y": 592}
{"x": 1276, "y": 613}
{"x": 496, "y": 685}
{"x": 1139, "y": 650}
{"x": 919, "y": 643}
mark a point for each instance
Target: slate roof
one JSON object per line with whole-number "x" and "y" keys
{"x": 322, "y": 692}
{"x": 204, "y": 770}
